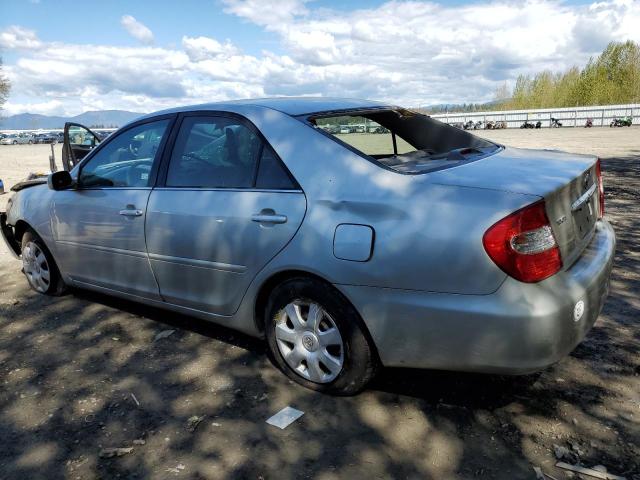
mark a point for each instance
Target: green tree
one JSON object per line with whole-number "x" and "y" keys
{"x": 5, "y": 86}
{"x": 611, "y": 78}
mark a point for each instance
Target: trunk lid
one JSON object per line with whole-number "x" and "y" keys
{"x": 567, "y": 182}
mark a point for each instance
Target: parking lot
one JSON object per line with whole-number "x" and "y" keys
{"x": 86, "y": 372}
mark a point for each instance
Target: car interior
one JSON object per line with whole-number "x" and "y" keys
{"x": 214, "y": 153}
{"x": 403, "y": 140}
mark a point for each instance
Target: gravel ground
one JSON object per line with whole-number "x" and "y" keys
{"x": 84, "y": 372}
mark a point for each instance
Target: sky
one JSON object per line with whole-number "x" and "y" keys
{"x": 66, "y": 57}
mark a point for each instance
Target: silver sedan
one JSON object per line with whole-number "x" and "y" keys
{"x": 17, "y": 138}
{"x": 349, "y": 234}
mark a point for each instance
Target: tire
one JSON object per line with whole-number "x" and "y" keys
{"x": 39, "y": 266}
{"x": 314, "y": 356}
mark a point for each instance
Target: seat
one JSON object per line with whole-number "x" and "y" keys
{"x": 231, "y": 147}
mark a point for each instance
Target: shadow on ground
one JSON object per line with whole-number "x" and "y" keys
{"x": 85, "y": 372}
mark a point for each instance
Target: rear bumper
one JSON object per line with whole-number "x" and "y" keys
{"x": 7, "y": 235}
{"x": 521, "y": 328}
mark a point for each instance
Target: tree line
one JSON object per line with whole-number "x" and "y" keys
{"x": 5, "y": 86}
{"x": 613, "y": 77}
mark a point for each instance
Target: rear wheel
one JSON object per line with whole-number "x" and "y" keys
{"x": 317, "y": 338}
{"x": 39, "y": 266}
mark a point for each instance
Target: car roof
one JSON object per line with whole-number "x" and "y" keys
{"x": 304, "y": 105}
{"x": 290, "y": 105}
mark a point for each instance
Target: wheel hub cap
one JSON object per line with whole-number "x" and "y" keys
{"x": 309, "y": 341}
{"x": 35, "y": 267}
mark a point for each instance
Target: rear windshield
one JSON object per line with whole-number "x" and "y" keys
{"x": 403, "y": 140}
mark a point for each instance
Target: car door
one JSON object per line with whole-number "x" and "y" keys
{"x": 224, "y": 207}
{"x": 78, "y": 141}
{"x": 99, "y": 226}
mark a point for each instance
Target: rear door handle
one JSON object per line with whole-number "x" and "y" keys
{"x": 269, "y": 218}
{"x": 130, "y": 212}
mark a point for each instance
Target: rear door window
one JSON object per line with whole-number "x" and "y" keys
{"x": 213, "y": 152}
{"x": 223, "y": 152}
{"x": 272, "y": 174}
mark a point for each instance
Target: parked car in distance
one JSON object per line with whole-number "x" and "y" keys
{"x": 423, "y": 247}
{"x": 17, "y": 138}
{"x": 333, "y": 129}
{"x": 45, "y": 138}
{"x": 102, "y": 134}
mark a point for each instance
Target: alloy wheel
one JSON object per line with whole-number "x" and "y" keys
{"x": 309, "y": 341}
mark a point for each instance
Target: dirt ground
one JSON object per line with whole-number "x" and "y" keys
{"x": 84, "y": 372}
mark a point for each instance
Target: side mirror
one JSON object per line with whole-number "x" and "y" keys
{"x": 60, "y": 180}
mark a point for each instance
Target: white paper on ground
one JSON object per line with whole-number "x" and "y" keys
{"x": 285, "y": 417}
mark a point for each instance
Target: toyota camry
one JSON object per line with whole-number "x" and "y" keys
{"x": 349, "y": 234}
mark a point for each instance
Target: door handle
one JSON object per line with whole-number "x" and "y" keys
{"x": 269, "y": 218}
{"x": 129, "y": 212}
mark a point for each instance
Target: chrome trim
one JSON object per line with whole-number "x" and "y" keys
{"x": 131, "y": 213}
{"x": 577, "y": 205}
{"x": 83, "y": 189}
{"x": 225, "y": 189}
{"x": 192, "y": 262}
{"x": 88, "y": 246}
{"x": 266, "y": 218}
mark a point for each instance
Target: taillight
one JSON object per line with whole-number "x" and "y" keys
{"x": 600, "y": 189}
{"x": 523, "y": 245}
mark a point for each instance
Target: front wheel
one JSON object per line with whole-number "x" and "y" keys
{"x": 317, "y": 338}
{"x": 39, "y": 266}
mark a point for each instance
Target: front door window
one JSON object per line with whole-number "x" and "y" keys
{"x": 127, "y": 160}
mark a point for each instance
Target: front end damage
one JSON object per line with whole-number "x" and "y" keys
{"x": 8, "y": 235}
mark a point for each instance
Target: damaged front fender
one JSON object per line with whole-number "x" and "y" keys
{"x": 9, "y": 236}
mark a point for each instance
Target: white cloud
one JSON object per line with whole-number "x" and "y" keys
{"x": 201, "y": 48}
{"x": 266, "y": 13}
{"x": 406, "y": 52}
{"x": 137, "y": 29}
{"x": 51, "y": 107}
{"x": 18, "y": 38}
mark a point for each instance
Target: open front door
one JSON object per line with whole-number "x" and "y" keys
{"x": 78, "y": 141}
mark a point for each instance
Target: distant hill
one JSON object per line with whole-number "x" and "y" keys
{"x": 32, "y": 121}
